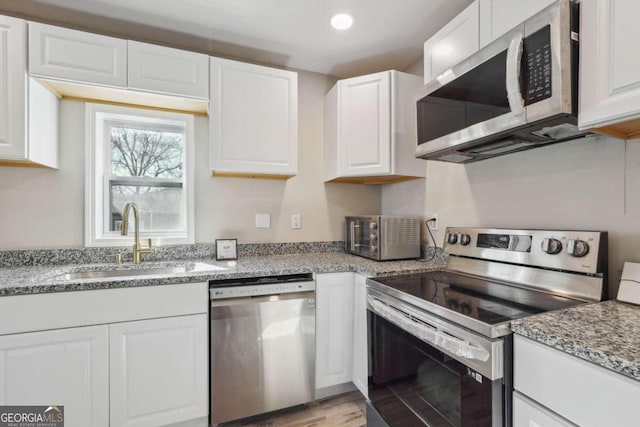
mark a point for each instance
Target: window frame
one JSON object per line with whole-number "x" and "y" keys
{"x": 97, "y": 173}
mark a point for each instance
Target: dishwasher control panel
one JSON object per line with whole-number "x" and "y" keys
{"x": 243, "y": 291}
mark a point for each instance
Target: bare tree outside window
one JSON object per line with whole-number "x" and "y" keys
{"x": 149, "y": 153}
{"x": 146, "y": 168}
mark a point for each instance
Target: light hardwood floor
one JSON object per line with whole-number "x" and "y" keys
{"x": 346, "y": 410}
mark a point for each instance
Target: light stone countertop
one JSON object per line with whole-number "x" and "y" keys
{"x": 606, "y": 334}
{"x": 42, "y": 279}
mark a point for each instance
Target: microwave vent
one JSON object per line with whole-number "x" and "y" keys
{"x": 401, "y": 231}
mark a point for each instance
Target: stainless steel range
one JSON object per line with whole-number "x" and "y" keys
{"x": 440, "y": 343}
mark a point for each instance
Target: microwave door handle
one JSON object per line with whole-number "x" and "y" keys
{"x": 512, "y": 81}
{"x": 352, "y": 231}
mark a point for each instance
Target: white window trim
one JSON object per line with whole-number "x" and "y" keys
{"x": 94, "y": 185}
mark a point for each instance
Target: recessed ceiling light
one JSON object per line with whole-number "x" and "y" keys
{"x": 341, "y": 21}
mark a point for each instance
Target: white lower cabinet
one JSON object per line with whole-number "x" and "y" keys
{"x": 527, "y": 413}
{"x": 158, "y": 371}
{"x": 68, "y": 367}
{"x": 334, "y": 329}
{"x": 144, "y": 363}
{"x": 360, "y": 348}
{"x": 569, "y": 390}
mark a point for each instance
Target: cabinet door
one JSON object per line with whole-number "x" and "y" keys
{"x": 159, "y": 371}
{"x": 67, "y": 367}
{"x": 453, "y": 43}
{"x": 253, "y": 119}
{"x": 360, "y": 347}
{"x": 365, "y": 125}
{"x": 77, "y": 56}
{"x": 499, "y": 16}
{"x": 161, "y": 69}
{"x": 334, "y": 329}
{"x": 13, "y": 64}
{"x": 609, "y": 78}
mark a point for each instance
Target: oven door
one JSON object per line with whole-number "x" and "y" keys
{"x": 359, "y": 236}
{"x": 425, "y": 371}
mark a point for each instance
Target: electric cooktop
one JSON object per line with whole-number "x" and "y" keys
{"x": 483, "y": 300}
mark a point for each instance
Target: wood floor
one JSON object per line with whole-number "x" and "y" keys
{"x": 346, "y": 410}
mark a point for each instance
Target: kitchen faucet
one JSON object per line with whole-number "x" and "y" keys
{"x": 137, "y": 250}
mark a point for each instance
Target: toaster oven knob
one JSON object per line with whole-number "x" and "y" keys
{"x": 373, "y": 225}
{"x": 465, "y": 239}
{"x": 551, "y": 246}
{"x": 373, "y": 237}
{"x": 577, "y": 248}
{"x": 452, "y": 238}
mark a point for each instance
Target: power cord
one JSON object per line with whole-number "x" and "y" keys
{"x": 435, "y": 245}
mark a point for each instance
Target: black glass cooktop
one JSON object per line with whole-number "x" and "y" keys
{"x": 483, "y": 300}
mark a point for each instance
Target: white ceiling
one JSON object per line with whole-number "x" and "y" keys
{"x": 293, "y": 33}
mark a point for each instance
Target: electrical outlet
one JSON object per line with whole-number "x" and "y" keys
{"x": 433, "y": 222}
{"x": 296, "y": 222}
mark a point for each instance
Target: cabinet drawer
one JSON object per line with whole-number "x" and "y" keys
{"x": 64, "y": 54}
{"x": 94, "y": 307}
{"x": 165, "y": 70}
{"x": 579, "y": 391}
{"x": 527, "y": 413}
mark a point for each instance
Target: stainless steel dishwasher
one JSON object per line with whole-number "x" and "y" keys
{"x": 262, "y": 345}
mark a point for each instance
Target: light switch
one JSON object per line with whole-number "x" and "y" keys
{"x": 296, "y": 221}
{"x": 263, "y": 220}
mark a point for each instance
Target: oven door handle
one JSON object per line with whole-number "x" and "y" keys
{"x": 429, "y": 334}
{"x": 424, "y": 332}
{"x": 461, "y": 348}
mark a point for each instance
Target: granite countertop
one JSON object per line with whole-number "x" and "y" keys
{"x": 43, "y": 279}
{"x": 606, "y": 334}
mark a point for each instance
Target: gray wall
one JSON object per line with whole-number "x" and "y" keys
{"x": 42, "y": 208}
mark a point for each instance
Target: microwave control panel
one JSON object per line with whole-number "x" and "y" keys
{"x": 536, "y": 64}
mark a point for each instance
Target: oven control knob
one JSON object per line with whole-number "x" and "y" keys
{"x": 577, "y": 248}
{"x": 551, "y": 246}
{"x": 373, "y": 225}
{"x": 465, "y": 239}
{"x": 373, "y": 237}
{"x": 452, "y": 238}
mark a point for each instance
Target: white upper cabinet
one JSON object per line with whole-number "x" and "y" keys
{"x": 499, "y": 16}
{"x": 28, "y": 112}
{"x": 68, "y": 367}
{"x": 13, "y": 86}
{"x": 369, "y": 134}
{"x": 453, "y": 43}
{"x": 253, "y": 120}
{"x": 161, "y": 69}
{"x": 609, "y": 77}
{"x": 65, "y": 54}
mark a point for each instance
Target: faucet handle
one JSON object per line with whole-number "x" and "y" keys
{"x": 117, "y": 258}
{"x": 148, "y": 243}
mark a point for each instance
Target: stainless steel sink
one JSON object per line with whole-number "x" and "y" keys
{"x": 140, "y": 270}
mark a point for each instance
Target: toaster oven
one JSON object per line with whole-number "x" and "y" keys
{"x": 383, "y": 237}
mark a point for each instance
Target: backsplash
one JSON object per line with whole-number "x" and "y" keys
{"x": 32, "y": 257}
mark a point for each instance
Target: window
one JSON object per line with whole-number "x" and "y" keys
{"x": 141, "y": 156}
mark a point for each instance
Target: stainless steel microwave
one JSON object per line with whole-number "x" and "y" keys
{"x": 383, "y": 237}
{"x": 518, "y": 92}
